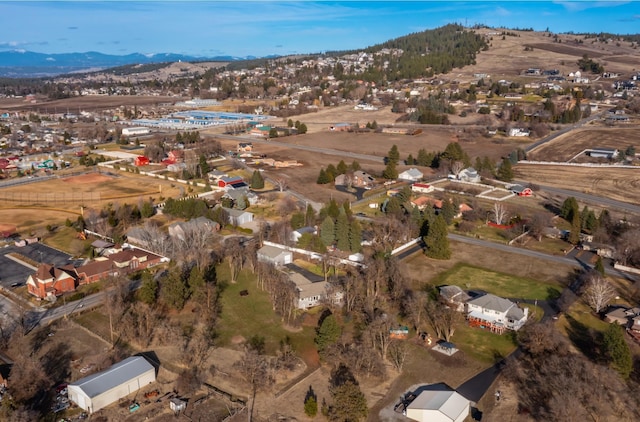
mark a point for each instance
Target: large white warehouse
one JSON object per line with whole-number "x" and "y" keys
{"x": 135, "y": 131}
{"x": 99, "y": 390}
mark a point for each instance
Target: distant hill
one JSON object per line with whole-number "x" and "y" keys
{"x": 20, "y": 63}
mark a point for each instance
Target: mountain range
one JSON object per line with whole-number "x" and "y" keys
{"x": 21, "y": 63}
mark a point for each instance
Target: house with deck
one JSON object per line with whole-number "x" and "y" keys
{"x": 495, "y": 313}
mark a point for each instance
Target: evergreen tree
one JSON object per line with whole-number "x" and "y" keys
{"x": 410, "y": 160}
{"x": 323, "y": 179}
{"x": 453, "y": 152}
{"x": 257, "y": 181}
{"x": 574, "y": 235}
{"x": 331, "y": 172}
{"x": 390, "y": 172}
{"x": 342, "y": 232}
{"x": 148, "y": 292}
{"x": 424, "y": 158}
{"x": 348, "y": 402}
{"x": 311, "y": 406}
{"x": 174, "y": 289}
{"x": 297, "y": 220}
{"x": 393, "y": 155}
{"x": 310, "y": 216}
{"x": 617, "y": 350}
{"x": 355, "y": 237}
{"x": 342, "y": 167}
{"x": 436, "y": 240}
{"x": 448, "y": 210}
{"x": 569, "y": 208}
{"x": 147, "y": 209}
{"x": 204, "y": 166}
{"x": 333, "y": 209}
{"x": 327, "y": 231}
{"x": 328, "y": 333}
{"x": 505, "y": 172}
{"x": 599, "y": 267}
{"x": 393, "y": 207}
{"x": 355, "y": 166}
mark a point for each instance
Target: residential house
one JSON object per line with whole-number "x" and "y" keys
{"x": 274, "y": 255}
{"x": 238, "y": 217}
{"x": 601, "y": 249}
{"x": 297, "y": 234}
{"x": 469, "y": 175}
{"x": 260, "y": 131}
{"x": 362, "y": 179}
{"x": 454, "y": 297}
{"x": 236, "y": 194}
{"x": 496, "y": 313}
{"x": 180, "y": 230}
{"x": 49, "y": 281}
{"x": 244, "y": 147}
{"x": 423, "y": 202}
{"x": 215, "y": 175}
{"x": 518, "y": 132}
{"x": 176, "y": 167}
{"x": 310, "y": 291}
{"x": 411, "y": 175}
{"x": 341, "y": 127}
{"x": 422, "y": 188}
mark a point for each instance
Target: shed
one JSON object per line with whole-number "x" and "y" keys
{"x": 177, "y": 405}
{"x": 439, "y": 406}
{"x": 99, "y": 390}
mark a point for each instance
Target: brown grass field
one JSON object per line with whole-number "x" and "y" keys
{"x": 33, "y": 206}
{"x": 568, "y": 145}
{"x": 616, "y": 183}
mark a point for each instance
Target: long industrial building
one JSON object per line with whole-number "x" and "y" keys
{"x": 99, "y": 390}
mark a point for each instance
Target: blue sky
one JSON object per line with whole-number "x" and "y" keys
{"x": 259, "y": 28}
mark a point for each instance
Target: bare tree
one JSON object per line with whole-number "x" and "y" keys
{"x": 456, "y": 167}
{"x": 256, "y": 370}
{"x": 398, "y": 351}
{"x": 281, "y": 184}
{"x": 443, "y": 319}
{"x": 499, "y": 212}
{"x": 599, "y": 292}
{"x": 235, "y": 252}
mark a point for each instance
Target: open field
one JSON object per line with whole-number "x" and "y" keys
{"x": 33, "y": 206}
{"x": 500, "y": 284}
{"x": 85, "y": 103}
{"x": 566, "y": 146}
{"x": 621, "y": 184}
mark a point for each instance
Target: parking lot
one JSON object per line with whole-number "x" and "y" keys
{"x": 12, "y": 272}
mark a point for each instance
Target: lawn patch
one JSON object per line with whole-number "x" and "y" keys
{"x": 483, "y": 345}
{"x": 504, "y": 285}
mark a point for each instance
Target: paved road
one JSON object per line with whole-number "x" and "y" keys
{"x": 592, "y": 199}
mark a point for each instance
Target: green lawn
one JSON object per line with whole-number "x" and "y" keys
{"x": 499, "y": 284}
{"x": 253, "y": 315}
{"x": 483, "y": 345}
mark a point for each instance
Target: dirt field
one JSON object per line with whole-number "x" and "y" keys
{"x": 566, "y": 146}
{"x": 86, "y": 103}
{"x": 621, "y": 184}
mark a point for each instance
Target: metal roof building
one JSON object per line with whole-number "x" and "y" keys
{"x": 439, "y": 406}
{"x": 99, "y": 390}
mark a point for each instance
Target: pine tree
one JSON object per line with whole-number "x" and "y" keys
{"x": 448, "y": 211}
{"x": 355, "y": 237}
{"x": 599, "y": 267}
{"x": 310, "y": 216}
{"x": 436, "y": 240}
{"x": 569, "y": 208}
{"x": 390, "y": 172}
{"x": 257, "y": 181}
{"x": 148, "y": 292}
{"x": 328, "y": 333}
{"x": 327, "y": 231}
{"x": 617, "y": 350}
{"x": 331, "y": 172}
{"x": 342, "y": 167}
{"x": 323, "y": 179}
{"x": 393, "y": 155}
{"x": 311, "y": 406}
{"x": 505, "y": 172}
{"x": 574, "y": 235}
{"x": 410, "y": 160}
{"x": 342, "y": 232}
{"x": 355, "y": 166}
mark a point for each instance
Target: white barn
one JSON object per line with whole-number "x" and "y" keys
{"x": 439, "y": 406}
{"x": 99, "y": 390}
{"x": 135, "y": 131}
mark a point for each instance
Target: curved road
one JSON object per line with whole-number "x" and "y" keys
{"x": 593, "y": 199}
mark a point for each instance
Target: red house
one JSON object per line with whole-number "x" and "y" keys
{"x": 49, "y": 281}
{"x": 95, "y": 271}
{"x": 141, "y": 160}
{"x": 230, "y": 181}
{"x": 134, "y": 259}
{"x": 521, "y": 190}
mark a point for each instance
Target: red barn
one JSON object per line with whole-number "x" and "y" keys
{"x": 141, "y": 160}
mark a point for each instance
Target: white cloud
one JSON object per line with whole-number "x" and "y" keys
{"x": 578, "y": 6}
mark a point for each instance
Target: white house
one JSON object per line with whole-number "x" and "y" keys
{"x": 238, "y": 217}
{"x": 422, "y": 188}
{"x": 516, "y": 131}
{"x": 99, "y": 390}
{"x": 439, "y": 406}
{"x": 274, "y": 255}
{"x": 496, "y": 313}
{"x": 411, "y": 175}
{"x": 469, "y": 175}
{"x": 297, "y": 234}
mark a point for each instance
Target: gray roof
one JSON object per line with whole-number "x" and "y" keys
{"x": 452, "y": 292}
{"x": 117, "y": 374}
{"x": 413, "y": 172}
{"x": 271, "y": 251}
{"x": 492, "y": 302}
{"x": 449, "y": 403}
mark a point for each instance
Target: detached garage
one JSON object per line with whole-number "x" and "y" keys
{"x": 99, "y": 390}
{"x": 438, "y": 406}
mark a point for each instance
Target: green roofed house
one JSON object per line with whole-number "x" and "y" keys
{"x": 99, "y": 390}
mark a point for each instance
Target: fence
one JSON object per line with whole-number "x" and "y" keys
{"x": 50, "y": 197}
